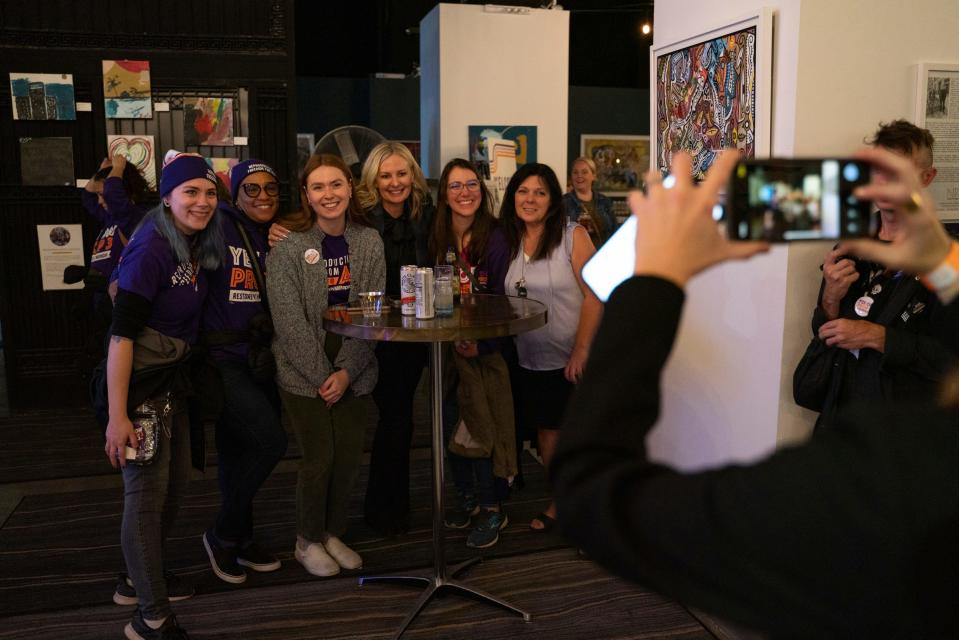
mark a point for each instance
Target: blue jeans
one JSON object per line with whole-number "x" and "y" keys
{"x": 250, "y": 441}
{"x": 151, "y": 499}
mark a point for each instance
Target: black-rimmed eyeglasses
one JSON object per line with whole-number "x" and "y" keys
{"x": 252, "y": 189}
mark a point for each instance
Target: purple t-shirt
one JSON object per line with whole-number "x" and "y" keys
{"x": 336, "y": 254}
{"x": 176, "y": 291}
{"x": 234, "y": 296}
{"x": 119, "y": 216}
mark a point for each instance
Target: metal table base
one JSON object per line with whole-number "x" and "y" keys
{"x": 443, "y": 578}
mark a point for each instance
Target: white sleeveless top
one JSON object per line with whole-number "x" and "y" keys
{"x": 550, "y": 281}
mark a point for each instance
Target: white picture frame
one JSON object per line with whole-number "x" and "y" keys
{"x": 761, "y": 21}
{"x": 936, "y": 107}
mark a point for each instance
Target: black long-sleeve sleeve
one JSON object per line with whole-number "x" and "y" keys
{"x": 850, "y": 535}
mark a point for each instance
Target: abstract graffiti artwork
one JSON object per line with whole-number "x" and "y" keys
{"x": 42, "y": 96}
{"x": 138, "y": 150}
{"x": 620, "y": 161}
{"x": 712, "y": 93}
{"x": 126, "y": 89}
{"x": 207, "y": 121}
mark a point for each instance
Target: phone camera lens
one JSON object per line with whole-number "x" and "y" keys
{"x": 850, "y": 172}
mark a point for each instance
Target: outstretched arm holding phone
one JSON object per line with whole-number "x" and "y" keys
{"x": 851, "y": 535}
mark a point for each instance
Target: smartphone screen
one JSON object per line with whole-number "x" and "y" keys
{"x": 614, "y": 262}
{"x": 798, "y": 199}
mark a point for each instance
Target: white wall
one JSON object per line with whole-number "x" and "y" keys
{"x": 484, "y": 68}
{"x": 840, "y": 67}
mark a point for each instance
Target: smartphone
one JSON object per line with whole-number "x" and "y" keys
{"x": 614, "y": 262}
{"x": 784, "y": 200}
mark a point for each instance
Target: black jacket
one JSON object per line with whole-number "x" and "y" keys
{"x": 405, "y": 241}
{"x": 852, "y": 535}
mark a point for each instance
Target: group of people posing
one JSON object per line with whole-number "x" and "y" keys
{"x": 221, "y": 299}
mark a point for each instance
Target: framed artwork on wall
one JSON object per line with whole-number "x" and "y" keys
{"x": 937, "y": 109}
{"x": 620, "y": 161}
{"x": 712, "y": 91}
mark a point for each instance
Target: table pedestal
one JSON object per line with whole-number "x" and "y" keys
{"x": 443, "y": 578}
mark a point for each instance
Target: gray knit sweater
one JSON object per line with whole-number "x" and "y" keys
{"x": 298, "y": 298}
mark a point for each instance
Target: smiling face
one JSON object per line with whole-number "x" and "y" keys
{"x": 192, "y": 204}
{"x": 260, "y": 208}
{"x": 532, "y": 201}
{"x": 582, "y": 176}
{"x": 463, "y": 192}
{"x": 394, "y": 181}
{"x": 328, "y": 191}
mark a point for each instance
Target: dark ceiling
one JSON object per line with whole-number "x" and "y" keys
{"x": 356, "y": 38}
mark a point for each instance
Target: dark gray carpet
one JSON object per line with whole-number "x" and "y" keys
{"x": 568, "y": 597}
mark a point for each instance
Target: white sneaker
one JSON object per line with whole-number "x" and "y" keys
{"x": 344, "y": 556}
{"x": 316, "y": 560}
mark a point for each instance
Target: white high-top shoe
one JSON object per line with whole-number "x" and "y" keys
{"x": 316, "y": 560}
{"x": 344, "y": 556}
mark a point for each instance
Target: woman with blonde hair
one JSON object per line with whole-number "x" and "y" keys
{"x": 394, "y": 194}
{"x": 324, "y": 379}
{"x": 591, "y": 209}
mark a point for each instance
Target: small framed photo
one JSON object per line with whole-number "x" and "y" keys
{"x": 620, "y": 161}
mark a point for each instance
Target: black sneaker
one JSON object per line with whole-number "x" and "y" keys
{"x": 255, "y": 557}
{"x": 461, "y": 516}
{"x": 138, "y": 629}
{"x": 223, "y": 561}
{"x": 486, "y": 532}
{"x": 176, "y": 589}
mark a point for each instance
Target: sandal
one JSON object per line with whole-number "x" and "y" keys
{"x": 548, "y": 523}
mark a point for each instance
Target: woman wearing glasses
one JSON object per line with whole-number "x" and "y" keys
{"x": 249, "y": 437}
{"x": 466, "y": 235}
{"x": 547, "y": 254}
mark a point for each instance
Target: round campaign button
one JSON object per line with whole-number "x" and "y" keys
{"x": 863, "y": 305}
{"x": 312, "y": 256}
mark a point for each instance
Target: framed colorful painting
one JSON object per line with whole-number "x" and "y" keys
{"x": 713, "y": 91}
{"x": 620, "y": 161}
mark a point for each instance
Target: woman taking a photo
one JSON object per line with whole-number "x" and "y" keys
{"x": 589, "y": 208}
{"x": 466, "y": 234}
{"x": 163, "y": 276}
{"x": 547, "y": 257}
{"x": 250, "y": 440}
{"x": 324, "y": 379}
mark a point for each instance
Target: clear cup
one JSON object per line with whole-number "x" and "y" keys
{"x": 371, "y": 303}
{"x": 443, "y": 289}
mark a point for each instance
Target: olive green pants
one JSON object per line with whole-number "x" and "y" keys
{"x": 331, "y": 442}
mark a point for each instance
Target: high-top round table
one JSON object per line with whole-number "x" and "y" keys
{"x": 476, "y": 317}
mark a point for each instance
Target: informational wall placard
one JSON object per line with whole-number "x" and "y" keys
{"x": 61, "y": 245}
{"x": 937, "y": 109}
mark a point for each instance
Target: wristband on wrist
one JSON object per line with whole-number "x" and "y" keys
{"x": 946, "y": 274}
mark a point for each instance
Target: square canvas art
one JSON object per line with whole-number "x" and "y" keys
{"x": 139, "y": 150}
{"x": 523, "y": 135}
{"x": 47, "y": 162}
{"x": 126, "y": 89}
{"x": 620, "y": 161}
{"x": 207, "y": 121}
{"x": 42, "y": 96}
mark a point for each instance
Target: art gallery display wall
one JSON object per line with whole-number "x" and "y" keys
{"x": 840, "y": 68}
{"x": 83, "y": 79}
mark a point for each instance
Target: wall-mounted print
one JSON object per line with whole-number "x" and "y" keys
{"x": 207, "y": 121}
{"x": 42, "y": 96}
{"x": 47, "y": 162}
{"x": 221, "y": 167}
{"x": 126, "y": 89}
{"x": 523, "y": 135}
{"x": 415, "y": 147}
{"x": 138, "y": 150}
{"x": 937, "y": 109}
{"x": 712, "y": 92}
{"x": 620, "y": 161}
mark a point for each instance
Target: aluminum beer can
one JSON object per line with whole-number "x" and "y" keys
{"x": 424, "y": 293}
{"x": 408, "y": 289}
